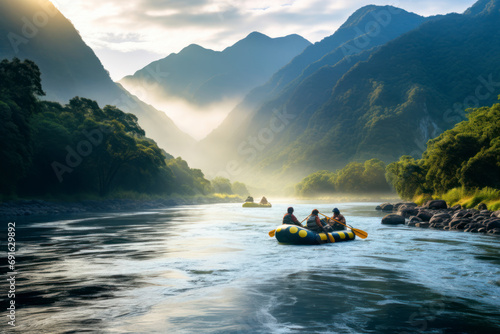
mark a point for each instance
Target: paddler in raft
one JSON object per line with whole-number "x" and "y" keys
{"x": 337, "y": 216}
{"x": 317, "y": 225}
{"x": 290, "y": 219}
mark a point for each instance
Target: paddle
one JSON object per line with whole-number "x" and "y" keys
{"x": 360, "y": 233}
{"x": 273, "y": 232}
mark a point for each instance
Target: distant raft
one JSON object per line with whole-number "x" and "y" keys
{"x": 296, "y": 235}
{"x": 256, "y": 205}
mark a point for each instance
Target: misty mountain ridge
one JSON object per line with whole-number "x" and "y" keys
{"x": 202, "y": 76}
{"x": 36, "y": 30}
{"x": 303, "y": 85}
{"x": 408, "y": 90}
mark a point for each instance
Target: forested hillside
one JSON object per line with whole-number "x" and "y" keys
{"x": 385, "y": 105}
{"x": 36, "y": 30}
{"x": 49, "y": 149}
{"x": 300, "y": 89}
{"x": 465, "y": 158}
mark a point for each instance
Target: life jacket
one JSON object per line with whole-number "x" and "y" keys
{"x": 311, "y": 222}
{"x": 287, "y": 219}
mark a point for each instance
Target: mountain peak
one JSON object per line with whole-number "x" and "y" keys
{"x": 483, "y": 7}
{"x": 358, "y": 16}
{"x": 255, "y": 35}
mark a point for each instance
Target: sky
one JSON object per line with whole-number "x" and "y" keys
{"x": 128, "y": 35}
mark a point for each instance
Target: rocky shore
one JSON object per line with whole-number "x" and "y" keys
{"x": 437, "y": 214}
{"x": 40, "y": 207}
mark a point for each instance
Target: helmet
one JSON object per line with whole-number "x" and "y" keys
{"x": 290, "y": 210}
{"x": 336, "y": 211}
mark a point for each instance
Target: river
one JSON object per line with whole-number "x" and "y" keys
{"x": 214, "y": 269}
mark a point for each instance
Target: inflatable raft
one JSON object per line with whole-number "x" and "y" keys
{"x": 256, "y": 205}
{"x": 296, "y": 235}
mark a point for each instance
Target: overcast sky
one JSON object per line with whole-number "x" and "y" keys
{"x": 127, "y": 35}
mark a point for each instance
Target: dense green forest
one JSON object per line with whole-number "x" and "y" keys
{"x": 49, "y": 149}
{"x": 460, "y": 162}
{"x": 355, "y": 178}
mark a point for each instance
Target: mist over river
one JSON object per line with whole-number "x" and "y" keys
{"x": 214, "y": 269}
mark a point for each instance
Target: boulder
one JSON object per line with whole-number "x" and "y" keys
{"x": 459, "y": 214}
{"x": 493, "y": 224}
{"x": 460, "y": 226}
{"x": 482, "y": 206}
{"x": 482, "y": 230}
{"x": 413, "y": 221}
{"x": 423, "y": 225}
{"x": 393, "y": 219}
{"x": 456, "y": 207}
{"x": 397, "y": 206}
{"x": 457, "y": 221}
{"x": 495, "y": 231}
{"x": 496, "y": 214}
{"x": 407, "y": 212}
{"x": 436, "y": 204}
{"x": 440, "y": 217}
{"x": 387, "y": 207}
{"x": 425, "y": 215}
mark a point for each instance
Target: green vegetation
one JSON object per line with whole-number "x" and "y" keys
{"x": 462, "y": 165}
{"x": 408, "y": 91}
{"x": 81, "y": 150}
{"x": 355, "y": 178}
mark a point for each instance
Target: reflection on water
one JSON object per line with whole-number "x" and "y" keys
{"x": 214, "y": 269}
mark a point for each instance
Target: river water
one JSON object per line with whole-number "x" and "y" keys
{"x": 214, "y": 269}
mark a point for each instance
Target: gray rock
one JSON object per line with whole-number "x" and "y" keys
{"x": 407, "y": 212}
{"x": 494, "y": 224}
{"x": 387, "y": 207}
{"x": 495, "y": 231}
{"x": 393, "y": 219}
{"x": 482, "y": 206}
{"x": 436, "y": 204}
{"x": 425, "y": 215}
{"x": 413, "y": 221}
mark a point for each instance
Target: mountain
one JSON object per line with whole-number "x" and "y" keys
{"x": 304, "y": 85}
{"x": 408, "y": 91}
{"x": 36, "y": 30}
{"x": 202, "y": 76}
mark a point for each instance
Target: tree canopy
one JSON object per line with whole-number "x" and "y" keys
{"x": 466, "y": 156}
{"x": 355, "y": 178}
{"x": 78, "y": 148}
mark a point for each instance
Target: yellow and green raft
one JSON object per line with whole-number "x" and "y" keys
{"x": 256, "y": 205}
{"x": 296, "y": 235}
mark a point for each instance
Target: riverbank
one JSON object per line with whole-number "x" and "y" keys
{"x": 16, "y": 208}
{"x": 437, "y": 214}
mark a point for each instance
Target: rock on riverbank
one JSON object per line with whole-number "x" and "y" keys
{"x": 437, "y": 214}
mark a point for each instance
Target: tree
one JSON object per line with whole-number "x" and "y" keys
{"x": 222, "y": 185}
{"x": 240, "y": 189}
{"x": 407, "y": 176}
{"x": 20, "y": 86}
